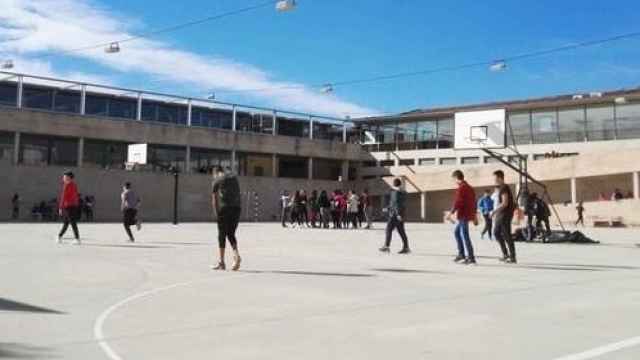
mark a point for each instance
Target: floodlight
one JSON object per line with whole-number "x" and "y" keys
{"x": 7, "y": 64}
{"x": 285, "y": 5}
{"x": 112, "y": 48}
{"x": 326, "y": 88}
{"x": 498, "y": 66}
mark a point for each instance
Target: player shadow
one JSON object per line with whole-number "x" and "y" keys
{"x": 181, "y": 243}
{"x": 603, "y": 267}
{"x": 408, "y": 271}
{"x": 542, "y": 267}
{"x": 129, "y": 246}
{"x": 10, "y": 305}
{"x": 308, "y": 273}
{"x": 23, "y": 351}
{"x": 452, "y": 256}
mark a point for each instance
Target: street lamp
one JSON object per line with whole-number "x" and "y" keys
{"x": 112, "y": 48}
{"x": 498, "y": 66}
{"x": 7, "y": 64}
{"x": 211, "y": 96}
{"x": 326, "y": 89}
{"x": 285, "y": 5}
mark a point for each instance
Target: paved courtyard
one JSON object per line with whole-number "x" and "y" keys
{"x": 313, "y": 294}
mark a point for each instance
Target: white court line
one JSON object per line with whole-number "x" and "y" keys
{"x": 98, "y": 333}
{"x": 606, "y": 349}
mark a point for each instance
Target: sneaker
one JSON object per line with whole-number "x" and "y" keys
{"x": 511, "y": 261}
{"x": 384, "y": 249}
{"x": 404, "y": 251}
{"x": 504, "y": 259}
{"x": 459, "y": 258}
{"x": 236, "y": 263}
{"x": 76, "y": 242}
{"x": 470, "y": 261}
{"x": 130, "y": 240}
{"x": 138, "y": 226}
{"x": 58, "y": 239}
{"x": 220, "y": 266}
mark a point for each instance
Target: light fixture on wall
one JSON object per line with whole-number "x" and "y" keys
{"x": 285, "y": 5}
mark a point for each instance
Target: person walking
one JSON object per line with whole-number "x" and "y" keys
{"x": 129, "y": 204}
{"x": 325, "y": 209}
{"x": 396, "y": 212}
{"x": 502, "y": 217}
{"x": 226, "y": 201}
{"x": 15, "y": 206}
{"x": 366, "y": 207}
{"x": 485, "y": 205}
{"x": 69, "y": 207}
{"x": 580, "y": 210}
{"x": 464, "y": 207}
{"x": 352, "y": 209}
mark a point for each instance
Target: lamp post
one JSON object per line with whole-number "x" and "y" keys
{"x": 175, "y": 171}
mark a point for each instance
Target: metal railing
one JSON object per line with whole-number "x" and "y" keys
{"x": 247, "y": 118}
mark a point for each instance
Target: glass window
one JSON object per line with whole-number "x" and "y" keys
{"x": 406, "y": 136}
{"x": 545, "y": 127}
{"x": 96, "y": 105}
{"x": 37, "y": 98}
{"x": 445, "y": 134}
{"x": 427, "y": 161}
{"x": 292, "y": 167}
{"x": 327, "y": 131}
{"x": 149, "y": 111}
{"x": 571, "y": 125}
{"x": 521, "y": 126}
{"x": 204, "y": 160}
{"x": 212, "y": 118}
{"x": 448, "y": 161}
{"x": 66, "y": 101}
{"x": 48, "y": 150}
{"x": 369, "y": 163}
{"x": 104, "y": 154}
{"x": 407, "y": 162}
{"x": 470, "y": 160}
{"x": 8, "y": 93}
{"x": 123, "y": 108}
{"x": 6, "y": 147}
{"x": 326, "y": 169}
{"x": 628, "y": 121}
{"x": 163, "y": 157}
{"x": 491, "y": 160}
{"x": 600, "y": 123}
{"x": 426, "y": 133}
{"x": 387, "y": 163}
{"x": 386, "y": 137}
{"x": 293, "y": 127}
{"x": 172, "y": 114}
{"x": 255, "y": 164}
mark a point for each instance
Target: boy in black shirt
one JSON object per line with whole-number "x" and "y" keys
{"x": 226, "y": 202}
{"x": 502, "y": 217}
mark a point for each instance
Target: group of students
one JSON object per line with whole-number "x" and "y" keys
{"x": 337, "y": 210}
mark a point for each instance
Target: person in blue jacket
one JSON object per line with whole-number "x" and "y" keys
{"x": 485, "y": 205}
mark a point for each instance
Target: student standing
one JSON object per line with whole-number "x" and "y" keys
{"x": 314, "y": 206}
{"x": 352, "y": 208}
{"x": 485, "y": 205}
{"x": 464, "y": 207}
{"x": 396, "y": 212}
{"x": 325, "y": 209}
{"x": 15, "y": 207}
{"x": 502, "y": 217}
{"x": 285, "y": 207}
{"x": 580, "y": 210}
{"x": 129, "y": 205}
{"x": 227, "y": 204}
{"x": 69, "y": 207}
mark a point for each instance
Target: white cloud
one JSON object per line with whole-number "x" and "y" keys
{"x": 42, "y": 26}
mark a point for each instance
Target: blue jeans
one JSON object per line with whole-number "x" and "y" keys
{"x": 462, "y": 238}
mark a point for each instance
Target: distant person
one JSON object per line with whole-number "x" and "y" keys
{"x": 129, "y": 204}
{"x": 303, "y": 203}
{"x": 325, "y": 209}
{"x": 580, "y": 210}
{"x": 285, "y": 207}
{"x": 15, "y": 206}
{"x": 89, "y": 203}
{"x": 353, "y": 203}
{"x": 367, "y": 209}
{"x": 464, "y": 208}
{"x": 69, "y": 207}
{"x": 530, "y": 212}
{"x": 502, "y": 218}
{"x": 543, "y": 213}
{"x": 485, "y": 205}
{"x": 314, "y": 208}
{"x": 227, "y": 205}
{"x": 602, "y": 197}
{"x": 617, "y": 195}
{"x": 396, "y": 211}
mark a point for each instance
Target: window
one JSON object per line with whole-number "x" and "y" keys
{"x": 66, "y": 101}
{"x": 104, "y": 154}
{"x": 426, "y": 134}
{"x": 491, "y": 160}
{"x": 96, "y": 105}
{"x": 325, "y": 131}
{"x": 6, "y": 147}
{"x": 293, "y": 127}
{"x": 37, "y": 98}
{"x": 387, "y": 163}
{"x": 369, "y": 164}
{"x": 258, "y": 123}
{"x": 521, "y": 126}
{"x": 571, "y": 125}
{"x": 406, "y": 136}
{"x": 427, "y": 161}
{"x": 48, "y": 150}
{"x": 8, "y": 94}
{"x": 407, "y": 162}
{"x": 123, "y": 108}
{"x": 204, "y": 160}
{"x": 448, "y": 161}
{"x": 292, "y": 167}
{"x": 537, "y": 157}
{"x": 369, "y": 177}
{"x": 386, "y": 137}
{"x": 255, "y": 164}
{"x": 163, "y": 157}
{"x": 600, "y": 123}
{"x": 628, "y": 121}
{"x": 445, "y": 134}
{"x": 327, "y": 169}
{"x": 172, "y": 114}
{"x": 545, "y": 127}
{"x": 212, "y": 118}
{"x": 470, "y": 160}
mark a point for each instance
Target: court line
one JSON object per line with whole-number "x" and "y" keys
{"x": 602, "y": 350}
{"x": 98, "y": 332}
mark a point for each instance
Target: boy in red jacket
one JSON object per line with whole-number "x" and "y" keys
{"x": 464, "y": 207}
{"x": 69, "y": 207}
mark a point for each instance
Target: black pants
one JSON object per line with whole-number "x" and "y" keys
{"x": 544, "y": 221}
{"x": 580, "y": 220}
{"x": 502, "y": 233}
{"x": 129, "y": 219}
{"x": 394, "y": 224}
{"x": 283, "y": 215}
{"x": 69, "y": 217}
{"x": 228, "y": 219}
{"x": 488, "y": 225}
{"x": 354, "y": 219}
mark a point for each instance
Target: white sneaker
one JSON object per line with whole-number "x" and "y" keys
{"x": 58, "y": 239}
{"x": 138, "y": 226}
{"x": 76, "y": 242}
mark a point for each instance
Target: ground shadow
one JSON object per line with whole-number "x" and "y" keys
{"x": 182, "y": 243}
{"x": 541, "y": 267}
{"x": 10, "y": 305}
{"x": 129, "y": 246}
{"x": 603, "y": 267}
{"x": 22, "y": 351}
{"x": 309, "y": 273}
{"x": 452, "y": 256}
{"x": 409, "y": 271}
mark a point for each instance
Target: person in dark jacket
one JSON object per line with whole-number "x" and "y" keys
{"x": 396, "y": 212}
{"x": 464, "y": 208}
{"x": 542, "y": 214}
{"x": 502, "y": 217}
{"x": 325, "y": 209}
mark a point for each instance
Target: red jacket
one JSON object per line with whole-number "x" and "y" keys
{"x": 464, "y": 203}
{"x": 69, "y": 197}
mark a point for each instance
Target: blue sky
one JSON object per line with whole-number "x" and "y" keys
{"x": 332, "y": 40}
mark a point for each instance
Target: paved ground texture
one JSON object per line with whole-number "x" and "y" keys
{"x": 313, "y": 294}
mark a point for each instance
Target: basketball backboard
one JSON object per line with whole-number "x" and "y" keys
{"x": 480, "y": 130}
{"x": 137, "y": 154}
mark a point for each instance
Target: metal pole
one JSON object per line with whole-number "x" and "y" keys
{"x": 176, "y": 176}
{"x": 189, "y": 108}
{"x": 83, "y": 99}
{"x": 233, "y": 118}
{"x": 139, "y": 108}
{"x": 20, "y": 91}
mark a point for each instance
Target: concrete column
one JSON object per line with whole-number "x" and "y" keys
{"x": 16, "y": 148}
{"x": 310, "y": 168}
{"x": 344, "y": 133}
{"x": 19, "y": 95}
{"x": 233, "y": 161}
{"x": 636, "y": 185}
{"x": 234, "y": 114}
{"x": 83, "y": 99}
{"x": 274, "y": 165}
{"x": 423, "y": 206}
{"x": 345, "y": 170}
{"x": 574, "y": 191}
{"x": 189, "y": 109}
{"x": 310, "y": 127}
{"x": 80, "y": 151}
{"x": 274, "y": 131}
{"x": 396, "y": 162}
{"x": 139, "y": 108}
{"x": 187, "y": 160}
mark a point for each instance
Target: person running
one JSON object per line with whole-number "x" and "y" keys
{"x": 366, "y": 208}
{"x": 396, "y": 212}
{"x": 129, "y": 205}
{"x": 227, "y": 204}
{"x": 352, "y": 209}
{"x": 464, "y": 207}
{"x": 69, "y": 207}
{"x": 580, "y": 210}
{"x": 325, "y": 209}
{"x": 502, "y": 217}
{"x": 485, "y": 205}
{"x": 15, "y": 207}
